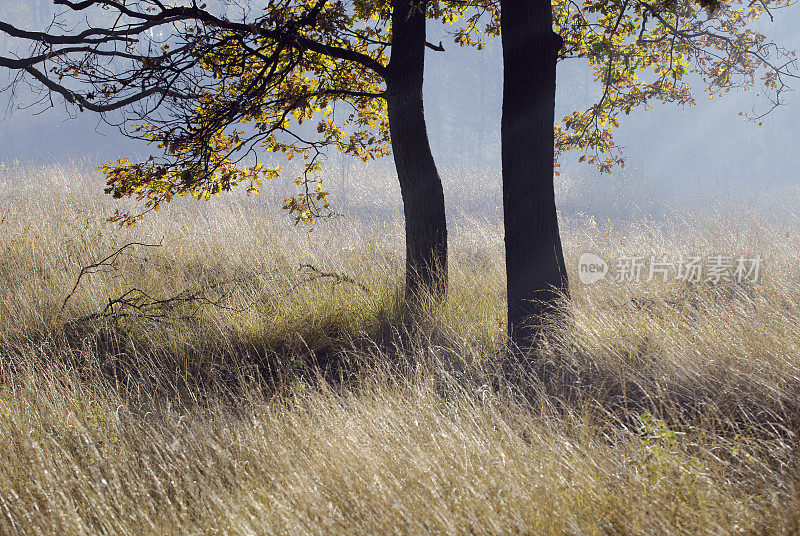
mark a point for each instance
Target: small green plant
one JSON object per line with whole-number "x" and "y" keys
{"x": 669, "y": 467}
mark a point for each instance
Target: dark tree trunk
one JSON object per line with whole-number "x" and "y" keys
{"x": 420, "y": 185}
{"x": 534, "y": 258}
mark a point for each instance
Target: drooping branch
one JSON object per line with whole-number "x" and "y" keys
{"x": 83, "y": 102}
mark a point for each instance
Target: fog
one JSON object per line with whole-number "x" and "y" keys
{"x": 672, "y": 152}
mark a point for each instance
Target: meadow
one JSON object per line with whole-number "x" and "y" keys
{"x": 219, "y": 370}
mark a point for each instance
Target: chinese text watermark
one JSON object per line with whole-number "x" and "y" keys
{"x": 711, "y": 269}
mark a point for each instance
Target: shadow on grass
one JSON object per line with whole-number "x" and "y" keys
{"x": 394, "y": 346}
{"x": 147, "y": 358}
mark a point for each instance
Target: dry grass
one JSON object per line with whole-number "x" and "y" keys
{"x": 278, "y": 401}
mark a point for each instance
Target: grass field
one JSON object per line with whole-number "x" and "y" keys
{"x": 235, "y": 374}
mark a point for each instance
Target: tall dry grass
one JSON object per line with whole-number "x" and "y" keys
{"x": 275, "y": 398}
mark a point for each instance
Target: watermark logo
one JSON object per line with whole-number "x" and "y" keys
{"x": 711, "y": 269}
{"x": 591, "y": 268}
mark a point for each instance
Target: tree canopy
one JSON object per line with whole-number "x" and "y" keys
{"x": 642, "y": 53}
{"x": 214, "y": 87}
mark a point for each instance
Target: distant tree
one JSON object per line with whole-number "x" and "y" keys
{"x": 213, "y": 87}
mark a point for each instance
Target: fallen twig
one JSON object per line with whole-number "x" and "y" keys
{"x": 107, "y": 262}
{"x": 153, "y": 308}
{"x": 337, "y": 277}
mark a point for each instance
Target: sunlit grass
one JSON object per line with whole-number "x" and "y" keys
{"x": 289, "y": 401}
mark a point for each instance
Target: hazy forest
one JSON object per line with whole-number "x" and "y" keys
{"x": 399, "y": 267}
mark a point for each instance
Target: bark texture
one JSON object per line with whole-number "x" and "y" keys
{"x": 534, "y": 259}
{"x": 420, "y": 185}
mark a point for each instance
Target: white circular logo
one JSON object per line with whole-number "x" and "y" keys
{"x": 591, "y": 268}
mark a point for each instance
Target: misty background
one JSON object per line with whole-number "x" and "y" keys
{"x": 675, "y": 155}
